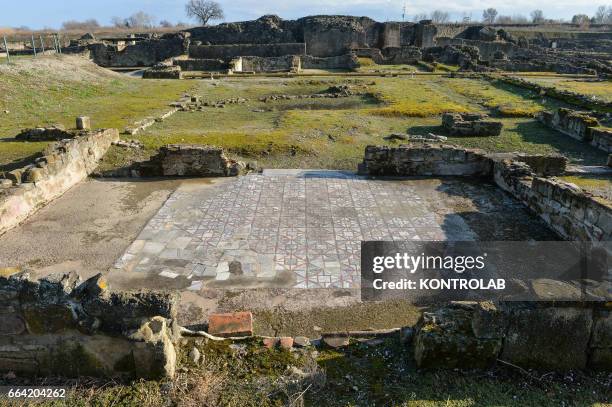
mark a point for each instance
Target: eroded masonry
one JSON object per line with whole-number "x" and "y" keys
{"x": 194, "y": 242}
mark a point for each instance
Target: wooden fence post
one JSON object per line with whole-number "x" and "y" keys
{"x": 33, "y": 46}
{"x": 8, "y": 56}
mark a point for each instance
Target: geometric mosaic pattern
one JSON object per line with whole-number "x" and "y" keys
{"x": 283, "y": 228}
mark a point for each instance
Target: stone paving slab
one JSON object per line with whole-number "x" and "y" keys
{"x": 290, "y": 228}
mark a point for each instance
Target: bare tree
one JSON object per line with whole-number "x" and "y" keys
{"x": 119, "y": 22}
{"x": 140, "y": 20}
{"x": 603, "y": 15}
{"x": 439, "y": 16}
{"x": 537, "y": 16}
{"x": 166, "y": 24}
{"x": 581, "y": 20}
{"x": 420, "y": 17}
{"x": 488, "y": 16}
{"x": 204, "y": 10}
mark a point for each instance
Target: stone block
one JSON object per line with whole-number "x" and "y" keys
{"x": 445, "y": 339}
{"x": 336, "y": 339}
{"x": 83, "y": 123}
{"x": 231, "y": 324}
{"x": 602, "y": 330}
{"x": 610, "y": 160}
{"x": 548, "y": 338}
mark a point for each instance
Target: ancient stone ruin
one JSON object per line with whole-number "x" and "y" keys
{"x": 470, "y": 125}
{"x": 60, "y": 325}
{"x": 579, "y": 125}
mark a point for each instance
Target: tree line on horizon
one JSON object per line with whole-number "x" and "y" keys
{"x": 205, "y": 11}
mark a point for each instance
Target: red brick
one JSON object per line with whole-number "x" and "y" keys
{"x": 286, "y": 342}
{"x": 270, "y": 342}
{"x": 231, "y": 324}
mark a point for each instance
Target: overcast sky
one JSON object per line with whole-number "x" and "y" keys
{"x": 49, "y": 13}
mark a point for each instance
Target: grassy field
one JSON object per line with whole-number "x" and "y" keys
{"x": 332, "y": 133}
{"x": 600, "y": 89}
{"x": 307, "y": 133}
{"x": 53, "y": 90}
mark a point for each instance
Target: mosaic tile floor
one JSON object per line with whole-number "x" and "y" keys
{"x": 287, "y": 228}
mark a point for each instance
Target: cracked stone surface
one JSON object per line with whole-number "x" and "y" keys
{"x": 303, "y": 229}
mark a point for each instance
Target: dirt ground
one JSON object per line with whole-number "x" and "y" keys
{"x": 86, "y": 237}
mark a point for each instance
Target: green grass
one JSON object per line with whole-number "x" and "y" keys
{"x": 299, "y": 133}
{"x": 37, "y": 97}
{"x": 599, "y": 89}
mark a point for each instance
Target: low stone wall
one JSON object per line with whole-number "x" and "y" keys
{"x": 570, "y": 211}
{"x": 63, "y": 165}
{"x": 201, "y": 64}
{"x": 570, "y": 122}
{"x": 579, "y": 125}
{"x": 58, "y": 325}
{"x": 270, "y": 64}
{"x": 602, "y": 139}
{"x": 227, "y": 52}
{"x": 189, "y": 160}
{"x": 347, "y": 61}
{"x": 529, "y": 335}
{"x": 424, "y": 160}
{"x": 573, "y": 98}
{"x": 163, "y": 72}
{"x": 470, "y": 125}
{"x": 53, "y": 133}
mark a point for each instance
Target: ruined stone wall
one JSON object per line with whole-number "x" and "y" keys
{"x": 560, "y": 337}
{"x": 487, "y": 49}
{"x": 58, "y": 325}
{"x": 571, "y": 212}
{"x": 578, "y": 125}
{"x": 325, "y": 36}
{"x": 568, "y": 210}
{"x": 189, "y": 160}
{"x": 471, "y": 125}
{"x": 270, "y": 64}
{"x": 449, "y": 31}
{"x": 201, "y": 64}
{"x": 143, "y": 53}
{"x": 227, "y": 52}
{"x": 63, "y": 165}
{"x": 577, "y": 99}
{"x": 572, "y": 123}
{"x": 424, "y": 159}
{"x": 602, "y": 139}
{"x": 347, "y": 61}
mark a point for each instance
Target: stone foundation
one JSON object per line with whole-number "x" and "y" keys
{"x": 63, "y": 165}
{"x": 530, "y": 335}
{"x": 347, "y": 61}
{"x": 229, "y": 51}
{"x": 53, "y": 133}
{"x": 470, "y": 125}
{"x": 570, "y": 211}
{"x": 163, "y": 72}
{"x": 424, "y": 160}
{"x": 58, "y": 325}
{"x": 573, "y": 98}
{"x": 287, "y": 63}
{"x": 190, "y": 161}
{"x": 570, "y": 122}
{"x": 205, "y": 65}
{"x": 602, "y": 139}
